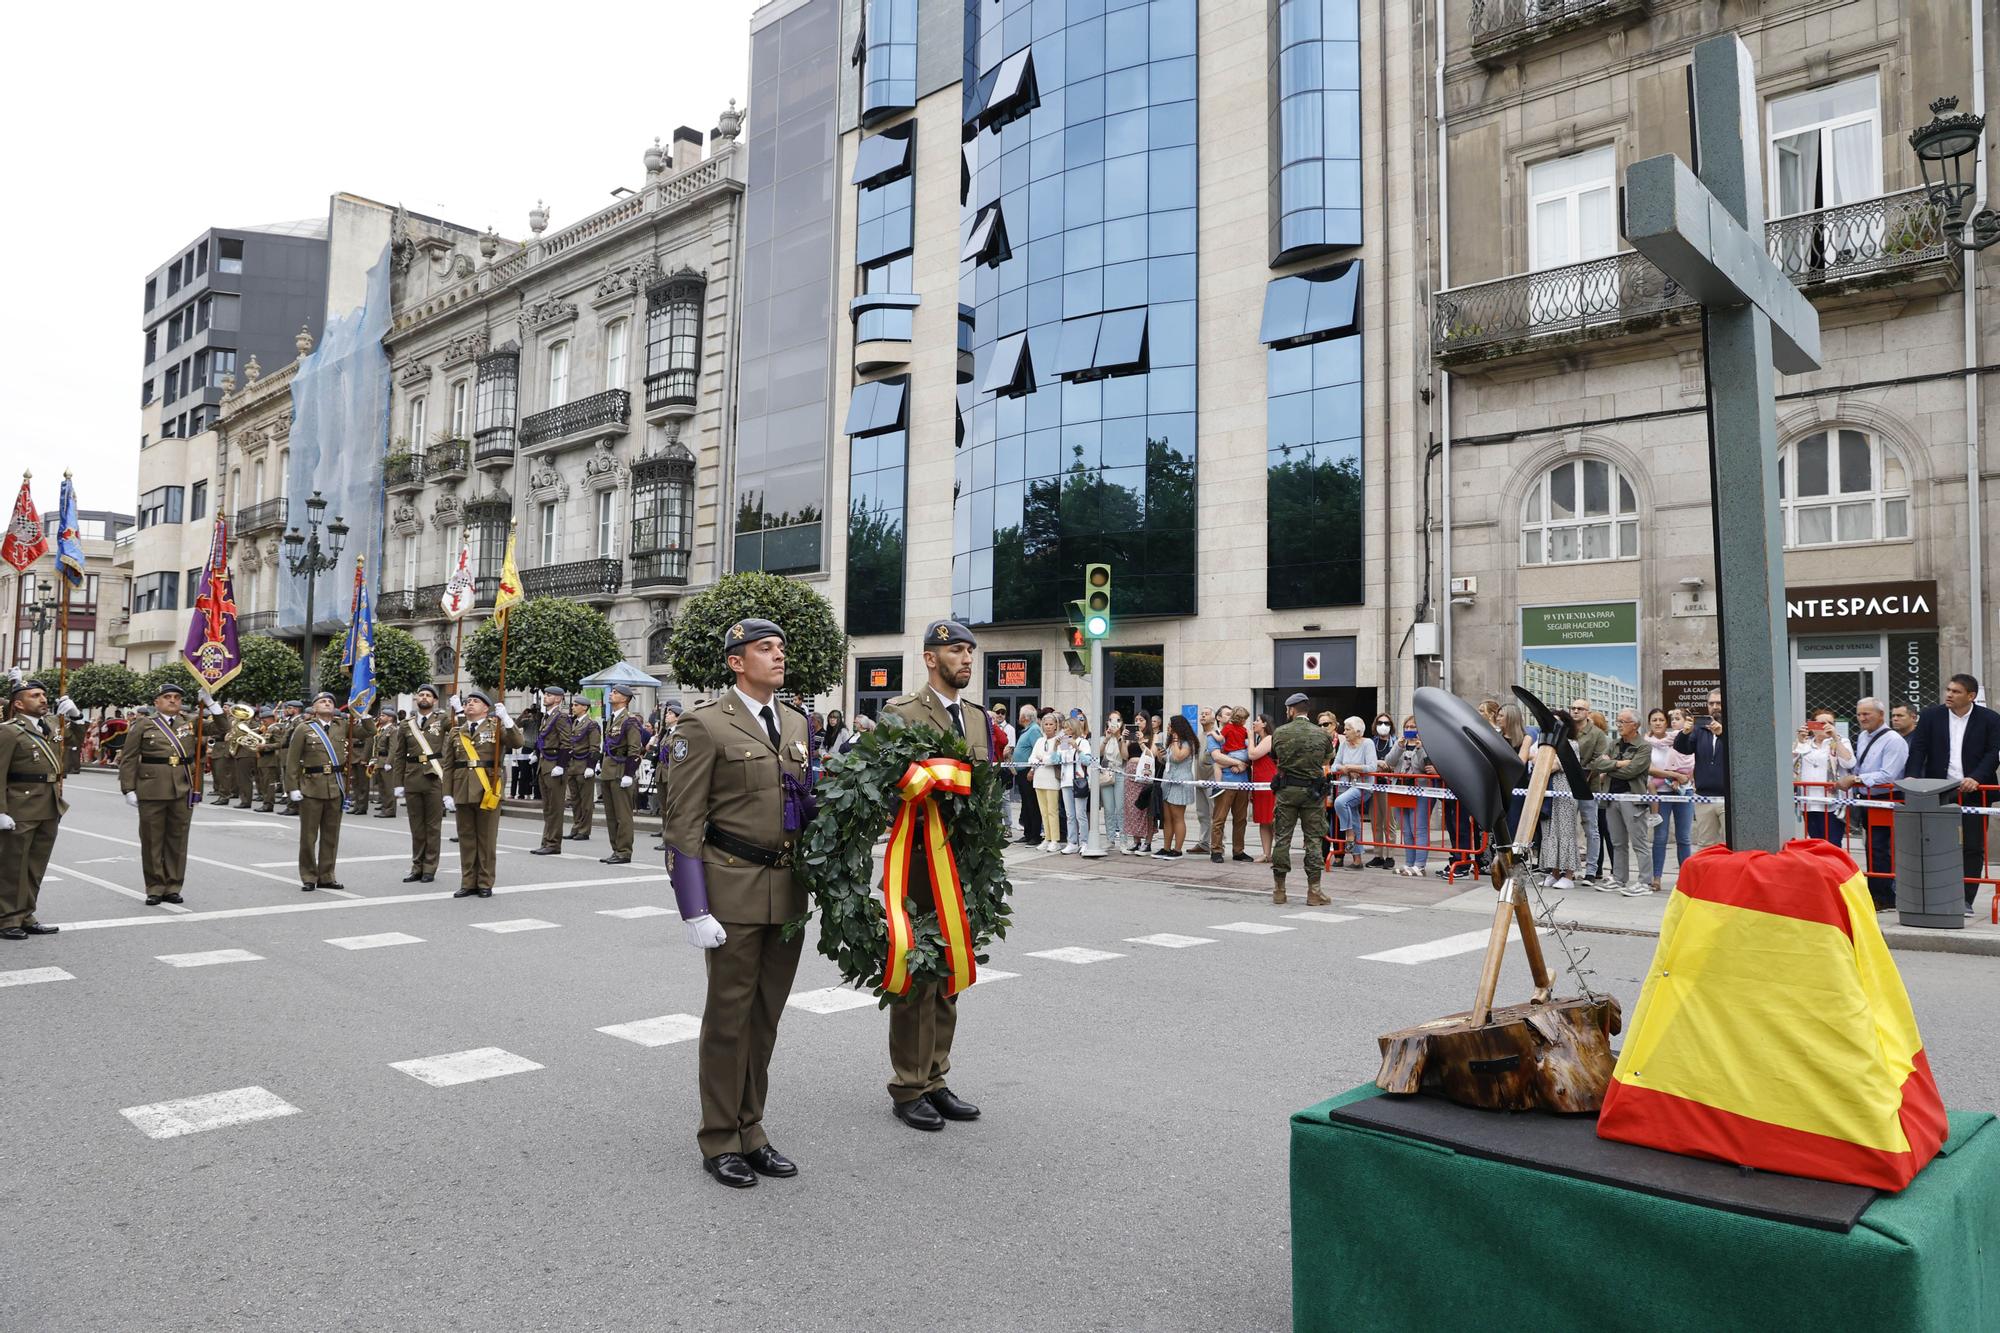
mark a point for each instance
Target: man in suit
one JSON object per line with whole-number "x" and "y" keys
{"x": 921, "y": 1025}
{"x": 624, "y": 747}
{"x": 314, "y": 758}
{"x": 736, "y": 803}
{"x": 31, "y": 803}
{"x": 586, "y": 752}
{"x": 1960, "y": 740}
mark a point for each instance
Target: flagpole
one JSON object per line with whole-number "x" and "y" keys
{"x": 353, "y": 613}
{"x": 62, "y": 633}
{"x": 506, "y": 616}
{"x": 457, "y": 646}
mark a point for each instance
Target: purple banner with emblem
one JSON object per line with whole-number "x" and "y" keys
{"x": 211, "y": 651}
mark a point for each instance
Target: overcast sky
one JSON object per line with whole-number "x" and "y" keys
{"x": 128, "y": 135}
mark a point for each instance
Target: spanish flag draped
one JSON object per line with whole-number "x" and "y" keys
{"x": 1773, "y": 1029}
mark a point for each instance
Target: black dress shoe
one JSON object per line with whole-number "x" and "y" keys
{"x": 465, "y": 893}
{"x": 173, "y": 898}
{"x": 13, "y": 933}
{"x": 37, "y": 928}
{"x": 546, "y": 851}
{"x": 918, "y": 1113}
{"x": 730, "y": 1169}
{"x": 413, "y": 877}
{"x": 615, "y": 860}
{"x": 768, "y": 1161}
{"x": 153, "y": 900}
{"x": 333, "y": 884}
{"x": 951, "y": 1106}
{"x": 429, "y": 878}
{"x": 576, "y": 837}
{"x": 486, "y": 893}
{"x": 1242, "y": 856}
{"x": 307, "y": 888}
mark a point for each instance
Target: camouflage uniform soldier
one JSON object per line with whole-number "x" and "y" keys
{"x": 1301, "y": 751}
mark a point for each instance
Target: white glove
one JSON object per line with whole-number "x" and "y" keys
{"x": 555, "y": 772}
{"x": 705, "y": 932}
{"x": 506, "y": 718}
{"x": 66, "y": 708}
{"x": 132, "y": 799}
{"x": 625, "y": 782}
{"x": 14, "y": 674}
{"x": 450, "y": 806}
{"x": 6, "y": 823}
{"x": 298, "y": 796}
{"x": 454, "y": 705}
{"x": 399, "y": 793}
{"x": 590, "y": 772}
{"x": 214, "y": 709}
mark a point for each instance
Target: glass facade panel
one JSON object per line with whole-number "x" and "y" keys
{"x": 499, "y": 385}
{"x": 889, "y": 74}
{"x": 877, "y": 468}
{"x": 1085, "y": 131}
{"x": 1315, "y": 82}
{"x": 1313, "y": 435}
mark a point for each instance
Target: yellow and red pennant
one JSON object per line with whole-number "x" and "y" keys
{"x": 919, "y": 830}
{"x": 1773, "y": 1029}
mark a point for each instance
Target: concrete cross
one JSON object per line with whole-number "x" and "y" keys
{"x": 1708, "y": 236}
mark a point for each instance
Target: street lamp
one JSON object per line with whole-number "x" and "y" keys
{"x": 1941, "y": 147}
{"x": 308, "y": 559}
{"x": 39, "y": 618}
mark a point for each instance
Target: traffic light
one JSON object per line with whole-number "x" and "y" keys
{"x": 1096, "y": 600}
{"x": 1076, "y": 655}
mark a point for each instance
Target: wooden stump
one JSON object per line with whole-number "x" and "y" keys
{"x": 1553, "y": 1056}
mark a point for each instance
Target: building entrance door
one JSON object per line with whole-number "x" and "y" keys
{"x": 1133, "y": 682}
{"x": 1833, "y": 673}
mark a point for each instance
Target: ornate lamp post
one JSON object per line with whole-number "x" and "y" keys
{"x": 1941, "y": 147}
{"x": 308, "y": 559}
{"x": 39, "y": 619}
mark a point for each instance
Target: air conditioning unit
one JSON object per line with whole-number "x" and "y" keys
{"x": 1465, "y": 587}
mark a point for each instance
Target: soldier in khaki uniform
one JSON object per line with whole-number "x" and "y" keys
{"x": 670, "y": 717}
{"x": 551, "y": 767}
{"x": 418, "y": 750}
{"x": 921, "y": 1026}
{"x": 290, "y": 717}
{"x": 314, "y": 758}
{"x": 360, "y": 745}
{"x": 155, "y": 771}
{"x": 381, "y": 776}
{"x": 472, "y": 757}
{"x": 586, "y": 752}
{"x": 624, "y": 747}
{"x": 270, "y": 759}
{"x": 239, "y": 752}
{"x": 736, "y": 803}
{"x": 31, "y": 804}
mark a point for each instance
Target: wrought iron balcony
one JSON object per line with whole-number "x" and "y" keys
{"x": 257, "y": 622}
{"x": 399, "y": 605}
{"x": 403, "y": 473}
{"x": 584, "y": 580}
{"x": 659, "y": 557}
{"x": 1886, "y": 241}
{"x": 263, "y": 516}
{"x": 1502, "y": 27}
{"x": 671, "y": 393}
{"x": 447, "y": 461}
{"x": 494, "y": 450}
{"x": 579, "y": 422}
{"x": 429, "y": 599}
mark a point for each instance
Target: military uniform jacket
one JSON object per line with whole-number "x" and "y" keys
{"x": 586, "y": 744}
{"x": 461, "y": 778}
{"x": 624, "y": 746}
{"x": 32, "y": 768}
{"x": 723, "y": 773}
{"x": 552, "y": 741}
{"x": 406, "y": 756}
{"x": 308, "y": 767}
{"x": 380, "y": 748}
{"x": 156, "y": 757}
{"x": 926, "y": 707}
{"x": 1301, "y": 750}
{"x": 362, "y": 740}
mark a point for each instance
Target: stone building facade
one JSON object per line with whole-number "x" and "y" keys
{"x": 31, "y": 600}
{"x": 576, "y": 385}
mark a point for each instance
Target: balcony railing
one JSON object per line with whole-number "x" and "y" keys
{"x": 1501, "y": 26}
{"x": 257, "y": 622}
{"x": 1878, "y": 242}
{"x": 671, "y": 392}
{"x": 399, "y": 605}
{"x": 584, "y": 580}
{"x": 447, "y": 462}
{"x": 494, "y": 450}
{"x": 584, "y": 420}
{"x": 658, "y": 558}
{"x": 429, "y": 599}
{"x": 261, "y": 517}
{"x": 403, "y": 472}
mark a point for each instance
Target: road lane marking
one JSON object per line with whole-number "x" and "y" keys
{"x": 347, "y": 860}
{"x": 1169, "y": 941}
{"x": 284, "y": 909}
{"x": 515, "y": 926}
{"x": 634, "y": 913}
{"x": 445, "y": 1071}
{"x": 31, "y": 976}
{"x": 1374, "y": 907}
{"x": 662, "y": 1031}
{"x": 993, "y": 974}
{"x": 831, "y": 1000}
{"x": 374, "y": 941}
{"x": 1320, "y": 915}
{"x": 1431, "y": 950}
{"x": 1254, "y": 928}
{"x": 133, "y": 894}
{"x": 1073, "y": 954}
{"x": 215, "y": 1110}
{"x": 220, "y": 865}
{"x": 210, "y": 957}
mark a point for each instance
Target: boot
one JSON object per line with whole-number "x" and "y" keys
{"x": 1314, "y": 898}
{"x": 1278, "y": 888}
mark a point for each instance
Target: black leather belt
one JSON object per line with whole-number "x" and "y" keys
{"x": 170, "y": 760}
{"x": 779, "y": 859}
{"x": 13, "y": 778}
{"x": 321, "y": 771}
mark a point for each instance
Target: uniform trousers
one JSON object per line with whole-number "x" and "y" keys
{"x": 24, "y": 857}
{"x": 920, "y": 1032}
{"x": 267, "y": 784}
{"x": 319, "y": 838}
{"x": 426, "y": 813}
{"x": 163, "y": 844}
{"x": 582, "y": 800}
{"x": 245, "y": 766}
{"x": 554, "y": 789}
{"x": 357, "y": 787}
{"x": 1298, "y": 807}
{"x": 223, "y": 769}
{"x": 617, "y": 811}
{"x": 478, "y": 844}
{"x": 749, "y": 976}
{"x": 385, "y": 791}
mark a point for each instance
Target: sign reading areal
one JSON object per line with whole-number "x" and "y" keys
{"x": 1908, "y": 604}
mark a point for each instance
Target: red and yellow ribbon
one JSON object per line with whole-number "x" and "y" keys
{"x": 919, "y": 787}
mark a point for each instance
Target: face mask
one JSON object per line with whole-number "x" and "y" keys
{"x": 1381, "y": 728}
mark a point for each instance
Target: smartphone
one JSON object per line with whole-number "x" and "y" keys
{"x": 1702, "y": 719}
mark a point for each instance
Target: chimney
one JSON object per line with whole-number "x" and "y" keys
{"x": 687, "y": 148}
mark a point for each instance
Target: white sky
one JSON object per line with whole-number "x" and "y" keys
{"x": 130, "y": 130}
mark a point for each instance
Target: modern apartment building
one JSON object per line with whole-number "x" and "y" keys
{"x": 31, "y": 600}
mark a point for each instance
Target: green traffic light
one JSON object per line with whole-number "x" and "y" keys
{"x": 1097, "y": 627}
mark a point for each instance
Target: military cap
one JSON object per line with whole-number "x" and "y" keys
{"x": 557, "y": 690}
{"x": 579, "y": 701}
{"x": 294, "y": 703}
{"x": 267, "y": 711}
{"x": 169, "y": 688}
{"x": 468, "y": 695}
{"x": 1293, "y": 701}
{"x": 386, "y": 710}
{"x": 23, "y": 686}
{"x": 746, "y": 632}
{"x": 431, "y": 690}
{"x": 674, "y": 706}
{"x": 940, "y": 633}
{"x": 327, "y": 695}
{"x": 622, "y": 691}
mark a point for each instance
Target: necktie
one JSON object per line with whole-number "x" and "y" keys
{"x": 770, "y": 725}
{"x": 957, "y": 718}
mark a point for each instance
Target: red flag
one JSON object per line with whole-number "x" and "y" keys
{"x": 26, "y": 541}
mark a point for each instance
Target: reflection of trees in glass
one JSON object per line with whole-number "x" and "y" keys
{"x": 1137, "y": 668}
{"x": 750, "y": 515}
{"x": 874, "y": 569}
{"x": 1314, "y": 530}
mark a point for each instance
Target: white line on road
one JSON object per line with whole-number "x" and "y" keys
{"x": 210, "y": 957}
{"x": 1375, "y": 907}
{"x": 1073, "y": 954}
{"x": 117, "y": 888}
{"x": 283, "y": 909}
{"x": 220, "y": 865}
{"x": 1321, "y": 916}
{"x": 444, "y": 1071}
{"x": 512, "y": 927}
{"x": 1169, "y": 941}
{"x": 1254, "y": 928}
{"x": 831, "y": 1000}
{"x": 1431, "y": 950}
{"x": 633, "y": 913}
{"x": 348, "y": 860}
{"x": 30, "y": 976}
{"x": 993, "y": 974}
{"x": 216, "y": 1110}
{"x": 375, "y": 941}
{"x": 662, "y": 1031}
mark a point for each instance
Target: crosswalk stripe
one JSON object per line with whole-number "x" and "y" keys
{"x": 831, "y": 1000}
{"x": 374, "y": 941}
{"x": 30, "y": 976}
{"x": 662, "y": 1031}
{"x": 633, "y": 913}
{"x": 387, "y": 900}
{"x": 993, "y": 974}
{"x": 1169, "y": 941}
{"x": 1375, "y": 907}
{"x": 1254, "y": 928}
{"x": 1074, "y": 954}
{"x": 215, "y": 1110}
{"x": 1432, "y": 950}
{"x": 209, "y": 958}
{"x": 513, "y": 927}
{"x": 1324, "y": 917}
{"x": 444, "y": 1071}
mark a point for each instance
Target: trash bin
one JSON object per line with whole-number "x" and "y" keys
{"x": 1930, "y": 873}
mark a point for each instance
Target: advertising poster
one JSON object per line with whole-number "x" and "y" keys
{"x": 1588, "y": 651}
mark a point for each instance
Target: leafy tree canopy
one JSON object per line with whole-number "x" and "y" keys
{"x": 815, "y": 644}
{"x": 272, "y": 673}
{"x": 104, "y": 685}
{"x": 175, "y": 671}
{"x": 552, "y": 641}
{"x": 401, "y": 666}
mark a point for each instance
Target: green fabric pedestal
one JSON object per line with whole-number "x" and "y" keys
{"x": 1391, "y": 1232}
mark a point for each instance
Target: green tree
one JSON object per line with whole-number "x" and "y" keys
{"x": 401, "y": 665}
{"x": 815, "y": 645}
{"x": 104, "y": 685}
{"x": 175, "y": 671}
{"x": 272, "y": 672}
{"x": 553, "y": 641}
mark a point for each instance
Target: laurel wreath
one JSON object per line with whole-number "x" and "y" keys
{"x": 836, "y": 863}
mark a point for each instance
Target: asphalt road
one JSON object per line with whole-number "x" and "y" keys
{"x": 1129, "y": 1172}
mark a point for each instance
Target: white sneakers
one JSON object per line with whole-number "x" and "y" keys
{"x": 1069, "y": 849}
{"x": 1046, "y": 847}
{"x": 1563, "y": 882}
